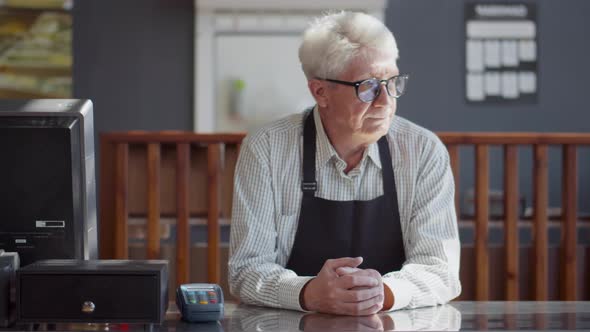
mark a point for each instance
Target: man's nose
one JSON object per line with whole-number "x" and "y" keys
{"x": 383, "y": 99}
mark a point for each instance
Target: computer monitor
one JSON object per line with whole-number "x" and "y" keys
{"x": 47, "y": 180}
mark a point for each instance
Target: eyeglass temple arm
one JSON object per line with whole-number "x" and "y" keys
{"x": 341, "y": 82}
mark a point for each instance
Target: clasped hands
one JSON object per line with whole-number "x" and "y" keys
{"x": 342, "y": 288}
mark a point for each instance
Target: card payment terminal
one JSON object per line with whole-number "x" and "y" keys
{"x": 200, "y": 302}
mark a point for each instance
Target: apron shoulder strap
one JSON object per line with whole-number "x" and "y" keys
{"x": 389, "y": 188}
{"x": 309, "y": 184}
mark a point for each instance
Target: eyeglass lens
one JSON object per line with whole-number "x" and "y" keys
{"x": 369, "y": 90}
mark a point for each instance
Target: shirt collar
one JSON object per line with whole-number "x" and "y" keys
{"x": 325, "y": 151}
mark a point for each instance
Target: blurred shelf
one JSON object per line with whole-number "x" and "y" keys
{"x": 19, "y": 94}
{"x": 37, "y": 4}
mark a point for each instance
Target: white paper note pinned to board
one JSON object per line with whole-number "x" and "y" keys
{"x": 474, "y": 55}
{"x": 492, "y": 53}
{"x": 510, "y": 85}
{"x": 527, "y": 50}
{"x": 509, "y": 53}
{"x": 492, "y": 83}
{"x": 527, "y": 82}
{"x": 475, "y": 87}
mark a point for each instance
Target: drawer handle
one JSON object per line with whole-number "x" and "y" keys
{"x": 88, "y": 307}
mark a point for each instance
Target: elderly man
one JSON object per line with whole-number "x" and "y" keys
{"x": 345, "y": 208}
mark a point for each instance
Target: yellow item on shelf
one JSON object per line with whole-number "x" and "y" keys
{"x": 38, "y": 4}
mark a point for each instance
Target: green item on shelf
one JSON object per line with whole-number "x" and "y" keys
{"x": 239, "y": 85}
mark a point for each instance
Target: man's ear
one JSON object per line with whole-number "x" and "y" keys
{"x": 318, "y": 91}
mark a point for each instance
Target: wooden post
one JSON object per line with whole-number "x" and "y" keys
{"x": 455, "y": 166}
{"x": 121, "y": 201}
{"x": 541, "y": 202}
{"x": 153, "y": 201}
{"x": 182, "y": 213}
{"x": 569, "y": 239}
{"x": 511, "y": 220}
{"x": 214, "y": 167}
{"x": 481, "y": 223}
{"x": 107, "y": 198}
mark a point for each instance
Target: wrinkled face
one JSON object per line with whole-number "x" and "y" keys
{"x": 345, "y": 112}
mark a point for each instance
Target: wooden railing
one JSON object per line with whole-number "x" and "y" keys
{"x": 114, "y": 202}
{"x": 510, "y": 142}
{"x": 114, "y": 194}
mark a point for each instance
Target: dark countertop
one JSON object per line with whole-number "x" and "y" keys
{"x": 455, "y": 316}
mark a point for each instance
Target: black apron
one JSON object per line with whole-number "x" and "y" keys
{"x": 334, "y": 229}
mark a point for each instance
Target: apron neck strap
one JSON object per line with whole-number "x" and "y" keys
{"x": 387, "y": 169}
{"x": 309, "y": 184}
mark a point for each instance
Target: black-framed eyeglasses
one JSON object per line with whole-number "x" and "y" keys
{"x": 369, "y": 89}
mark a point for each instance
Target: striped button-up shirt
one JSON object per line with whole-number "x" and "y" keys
{"x": 267, "y": 199}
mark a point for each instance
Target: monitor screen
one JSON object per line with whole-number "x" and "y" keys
{"x": 48, "y": 194}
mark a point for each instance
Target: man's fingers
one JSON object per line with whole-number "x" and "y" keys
{"x": 364, "y": 308}
{"x": 356, "y": 292}
{"x": 346, "y": 270}
{"x": 371, "y": 306}
{"x": 372, "y": 310}
{"x": 342, "y": 271}
{"x": 360, "y": 295}
{"x": 356, "y": 280}
{"x": 334, "y": 264}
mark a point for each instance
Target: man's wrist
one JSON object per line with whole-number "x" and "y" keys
{"x": 388, "y": 298}
{"x": 302, "y": 296}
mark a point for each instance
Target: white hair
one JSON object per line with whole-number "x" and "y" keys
{"x": 332, "y": 41}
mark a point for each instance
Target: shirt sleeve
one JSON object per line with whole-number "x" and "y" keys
{"x": 430, "y": 274}
{"x": 254, "y": 275}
